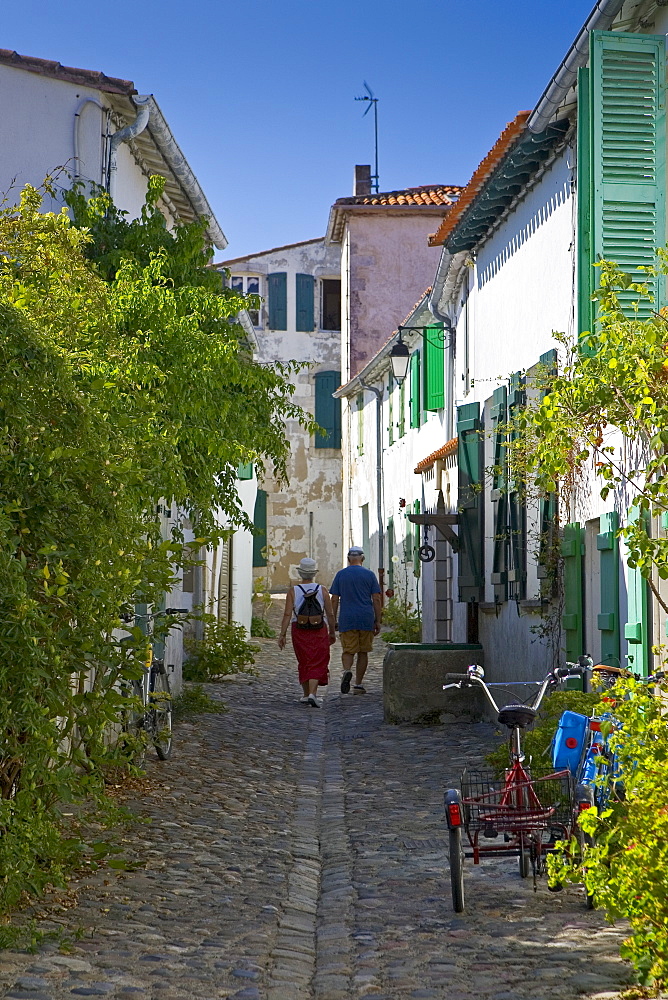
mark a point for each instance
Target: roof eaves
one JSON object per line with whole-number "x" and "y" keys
{"x": 68, "y": 74}
{"x": 264, "y": 253}
{"x": 448, "y": 449}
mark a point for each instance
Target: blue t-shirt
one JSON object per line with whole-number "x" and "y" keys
{"x": 354, "y": 586}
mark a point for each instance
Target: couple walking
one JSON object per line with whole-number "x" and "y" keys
{"x": 311, "y": 612}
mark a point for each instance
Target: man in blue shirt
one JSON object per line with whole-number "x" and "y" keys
{"x": 358, "y": 592}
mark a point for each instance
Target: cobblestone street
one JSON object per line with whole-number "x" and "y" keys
{"x": 295, "y": 854}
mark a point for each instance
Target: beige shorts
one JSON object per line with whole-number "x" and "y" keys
{"x": 356, "y": 641}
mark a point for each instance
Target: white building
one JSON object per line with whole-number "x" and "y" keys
{"x": 299, "y": 320}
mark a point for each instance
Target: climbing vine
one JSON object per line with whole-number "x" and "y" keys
{"x": 124, "y": 379}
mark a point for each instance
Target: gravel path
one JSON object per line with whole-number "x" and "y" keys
{"x": 297, "y": 854}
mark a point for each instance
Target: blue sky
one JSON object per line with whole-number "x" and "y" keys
{"x": 259, "y": 93}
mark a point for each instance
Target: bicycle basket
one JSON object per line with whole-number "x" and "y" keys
{"x": 544, "y": 802}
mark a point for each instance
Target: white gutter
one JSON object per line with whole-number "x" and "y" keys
{"x": 600, "y": 19}
{"x": 168, "y": 146}
{"x": 124, "y": 135}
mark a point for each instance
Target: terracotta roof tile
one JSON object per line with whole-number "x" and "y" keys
{"x": 429, "y": 194}
{"x": 448, "y": 449}
{"x": 70, "y": 74}
{"x": 510, "y": 134}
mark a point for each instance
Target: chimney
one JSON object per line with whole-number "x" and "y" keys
{"x": 362, "y": 183}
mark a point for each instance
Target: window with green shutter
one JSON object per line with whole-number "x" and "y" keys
{"x": 390, "y": 410}
{"x": 627, "y": 127}
{"x": 572, "y": 552}
{"x": 328, "y": 409}
{"x": 360, "y": 423}
{"x": 517, "y": 512}
{"x": 245, "y": 471}
{"x": 470, "y": 460}
{"x": 499, "y": 494}
{"x": 390, "y": 552}
{"x": 401, "y": 423}
{"x": 415, "y": 401}
{"x": 434, "y": 368}
{"x": 260, "y": 532}
{"x": 608, "y": 620}
{"x": 305, "y": 294}
{"x": 637, "y": 628}
{"x": 277, "y": 295}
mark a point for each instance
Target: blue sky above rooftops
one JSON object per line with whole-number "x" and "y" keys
{"x": 259, "y": 93}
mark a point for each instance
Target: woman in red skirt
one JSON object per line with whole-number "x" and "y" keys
{"x": 312, "y": 644}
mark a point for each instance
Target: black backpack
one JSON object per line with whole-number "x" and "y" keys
{"x": 310, "y": 614}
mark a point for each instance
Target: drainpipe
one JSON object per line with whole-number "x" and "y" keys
{"x": 75, "y": 137}
{"x": 125, "y": 134}
{"x": 600, "y": 19}
{"x": 379, "y": 484}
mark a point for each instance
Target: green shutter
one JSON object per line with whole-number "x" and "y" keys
{"x": 417, "y": 565}
{"x": 305, "y": 289}
{"x": 584, "y": 196}
{"x": 402, "y": 409}
{"x": 390, "y": 410}
{"x": 245, "y": 471}
{"x": 260, "y": 523}
{"x": 277, "y": 293}
{"x": 608, "y": 620}
{"x": 415, "y": 389}
{"x": 637, "y": 630}
{"x": 499, "y": 494}
{"x": 470, "y": 503}
{"x": 390, "y": 553}
{"x": 360, "y": 423}
{"x": 434, "y": 368}
{"x": 328, "y": 409}
{"x": 572, "y": 551}
{"x": 517, "y": 513}
{"x": 628, "y": 136}
{"x": 547, "y": 505}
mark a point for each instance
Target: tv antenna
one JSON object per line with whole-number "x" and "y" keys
{"x": 372, "y": 103}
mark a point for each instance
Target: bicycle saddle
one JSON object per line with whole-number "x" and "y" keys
{"x": 517, "y": 715}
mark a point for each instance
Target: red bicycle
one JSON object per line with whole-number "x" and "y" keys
{"x": 532, "y": 808}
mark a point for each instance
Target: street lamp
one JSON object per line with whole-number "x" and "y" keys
{"x": 399, "y": 359}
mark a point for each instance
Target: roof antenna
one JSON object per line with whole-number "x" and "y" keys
{"x": 373, "y": 102}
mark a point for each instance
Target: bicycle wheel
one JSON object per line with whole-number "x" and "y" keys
{"x": 133, "y": 737}
{"x": 524, "y": 856}
{"x": 457, "y": 869}
{"x": 160, "y": 709}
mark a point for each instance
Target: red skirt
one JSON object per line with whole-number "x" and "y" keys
{"x": 311, "y": 648}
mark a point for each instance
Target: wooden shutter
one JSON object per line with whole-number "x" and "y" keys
{"x": 584, "y": 196}
{"x": 277, "y": 292}
{"x": 572, "y": 551}
{"x": 517, "y": 513}
{"x": 305, "y": 289}
{"x": 470, "y": 503}
{"x": 628, "y": 135}
{"x": 328, "y": 409}
{"x": 434, "y": 368}
{"x": 636, "y": 630}
{"x": 390, "y": 552}
{"x": 245, "y": 470}
{"x": 260, "y": 523}
{"x": 401, "y": 423}
{"x": 499, "y": 495}
{"x": 390, "y": 410}
{"x": 415, "y": 389}
{"x": 225, "y": 582}
{"x": 608, "y": 620}
{"x": 548, "y": 507}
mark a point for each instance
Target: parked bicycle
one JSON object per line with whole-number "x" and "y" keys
{"x": 150, "y": 720}
{"x": 532, "y": 810}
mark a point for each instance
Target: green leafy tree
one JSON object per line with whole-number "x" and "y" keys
{"x": 124, "y": 379}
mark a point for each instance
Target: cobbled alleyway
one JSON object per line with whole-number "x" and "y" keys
{"x": 297, "y": 854}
